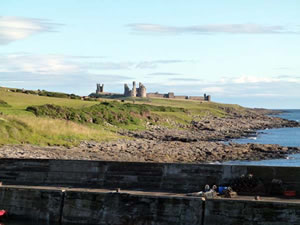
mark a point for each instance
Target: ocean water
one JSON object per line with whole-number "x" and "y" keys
{"x": 282, "y": 136}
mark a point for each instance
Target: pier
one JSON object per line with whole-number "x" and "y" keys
{"x": 99, "y": 192}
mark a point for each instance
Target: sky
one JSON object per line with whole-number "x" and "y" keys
{"x": 240, "y": 52}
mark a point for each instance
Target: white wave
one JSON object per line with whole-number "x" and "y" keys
{"x": 252, "y": 138}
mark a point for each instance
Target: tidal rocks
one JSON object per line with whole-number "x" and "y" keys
{"x": 142, "y": 150}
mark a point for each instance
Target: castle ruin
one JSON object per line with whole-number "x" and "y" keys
{"x": 135, "y": 92}
{"x": 171, "y": 95}
{"x": 100, "y": 89}
{"x": 142, "y": 93}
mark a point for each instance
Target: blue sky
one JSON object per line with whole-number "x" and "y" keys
{"x": 244, "y": 52}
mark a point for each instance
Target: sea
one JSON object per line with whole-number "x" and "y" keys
{"x": 282, "y": 136}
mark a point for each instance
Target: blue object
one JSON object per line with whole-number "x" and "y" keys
{"x": 221, "y": 189}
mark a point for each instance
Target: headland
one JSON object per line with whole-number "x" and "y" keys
{"x": 69, "y": 160}
{"x": 135, "y": 130}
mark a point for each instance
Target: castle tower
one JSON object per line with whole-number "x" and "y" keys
{"x": 207, "y": 97}
{"x": 127, "y": 92}
{"x": 133, "y": 91}
{"x": 100, "y": 89}
{"x": 142, "y": 91}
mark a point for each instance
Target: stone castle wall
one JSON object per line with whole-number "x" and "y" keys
{"x": 181, "y": 97}
{"x": 198, "y": 98}
{"x": 155, "y": 95}
{"x": 141, "y": 92}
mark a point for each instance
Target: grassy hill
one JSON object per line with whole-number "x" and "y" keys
{"x": 40, "y": 120}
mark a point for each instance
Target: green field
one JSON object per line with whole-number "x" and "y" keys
{"x": 68, "y": 121}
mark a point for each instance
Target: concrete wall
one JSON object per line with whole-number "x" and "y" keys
{"x": 32, "y": 204}
{"x": 126, "y": 209}
{"x": 237, "y": 212}
{"x": 94, "y": 207}
{"x": 146, "y": 176}
{"x": 89, "y": 206}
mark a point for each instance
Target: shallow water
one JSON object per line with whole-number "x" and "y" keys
{"x": 282, "y": 136}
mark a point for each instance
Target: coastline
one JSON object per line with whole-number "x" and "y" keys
{"x": 200, "y": 142}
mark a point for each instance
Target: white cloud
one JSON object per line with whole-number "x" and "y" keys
{"x": 61, "y": 64}
{"x": 215, "y": 90}
{"x": 57, "y": 72}
{"x": 245, "y": 79}
{"x": 61, "y": 71}
{"x": 18, "y": 28}
{"x": 253, "y": 79}
{"x": 164, "y": 74}
{"x": 41, "y": 64}
{"x": 235, "y": 87}
{"x": 245, "y": 86}
{"x": 153, "y": 64}
{"x": 212, "y": 29}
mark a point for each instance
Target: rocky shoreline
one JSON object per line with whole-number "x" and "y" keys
{"x": 197, "y": 143}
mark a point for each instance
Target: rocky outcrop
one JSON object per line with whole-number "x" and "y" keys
{"x": 142, "y": 150}
{"x": 215, "y": 128}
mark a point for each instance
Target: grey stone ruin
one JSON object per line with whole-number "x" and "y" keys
{"x": 100, "y": 89}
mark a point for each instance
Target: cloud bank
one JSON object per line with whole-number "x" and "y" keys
{"x": 71, "y": 74}
{"x": 211, "y": 29}
{"x": 41, "y": 71}
{"x": 18, "y": 28}
{"x": 242, "y": 86}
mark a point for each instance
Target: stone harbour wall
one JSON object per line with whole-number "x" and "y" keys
{"x": 32, "y": 204}
{"x": 237, "y": 212}
{"x": 44, "y": 197}
{"x": 124, "y": 209}
{"x": 92, "y": 207}
{"x": 171, "y": 177}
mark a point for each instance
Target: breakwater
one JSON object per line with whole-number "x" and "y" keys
{"x": 82, "y": 192}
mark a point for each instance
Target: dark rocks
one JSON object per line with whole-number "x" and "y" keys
{"x": 152, "y": 151}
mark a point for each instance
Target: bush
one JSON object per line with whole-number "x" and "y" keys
{"x": 47, "y": 93}
{"x": 4, "y": 104}
{"x": 112, "y": 112}
{"x": 58, "y": 94}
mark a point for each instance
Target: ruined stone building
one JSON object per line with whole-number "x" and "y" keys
{"x": 135, "y": 92}
{"x": 100, "y": 89}
{"x": 171, "y": 95}
{"x": 142, "y": 93}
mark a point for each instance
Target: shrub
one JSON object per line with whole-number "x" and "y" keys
{"x": 4, "y": 104}
{"x": 112, "y": 112}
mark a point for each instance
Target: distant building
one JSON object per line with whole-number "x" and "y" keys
{"x": 141, "y": 92}
{"x": 135, "y": 92}
{"x": 171, "y": 95}
{"x": 100, "y": 89}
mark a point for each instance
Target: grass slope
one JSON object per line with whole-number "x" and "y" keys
{"x": 113, "y": 112}
{"x": 4, "y": 104}
{"x": 44, "y": 120}
{"x": 18, "y": 126}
